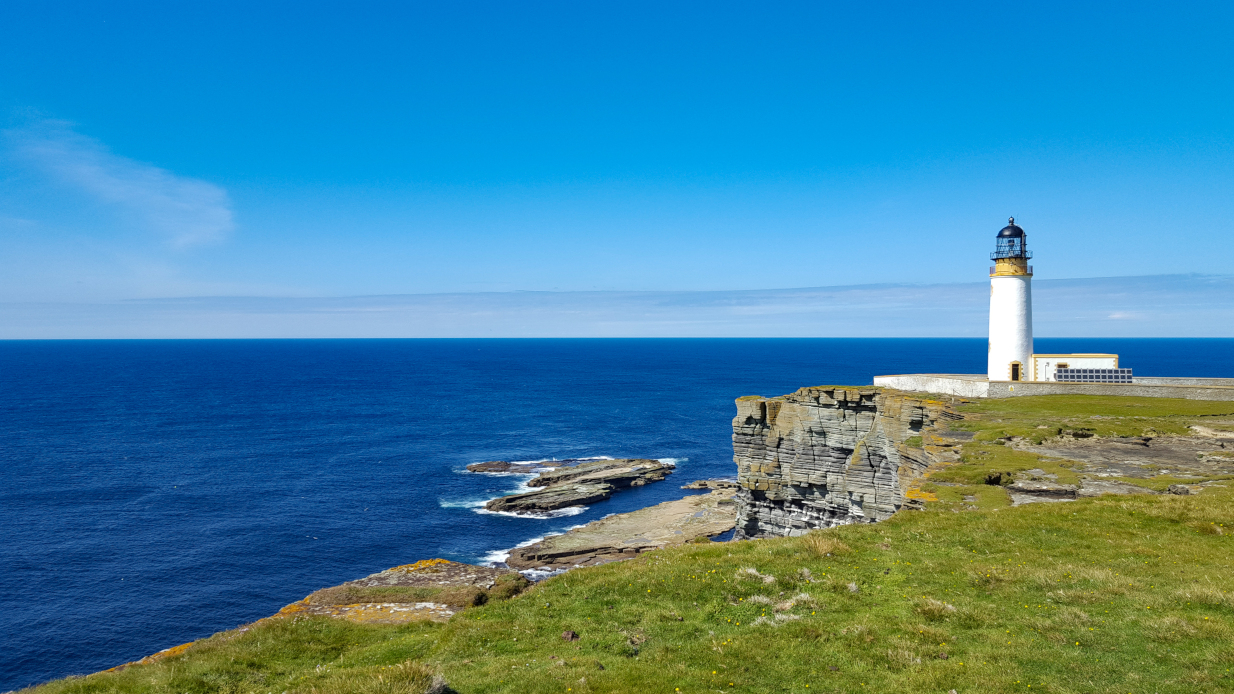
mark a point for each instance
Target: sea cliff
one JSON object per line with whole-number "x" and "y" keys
{"x": 827, "y": 456}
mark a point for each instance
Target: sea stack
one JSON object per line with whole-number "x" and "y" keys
{"x": 1011, "y": 306}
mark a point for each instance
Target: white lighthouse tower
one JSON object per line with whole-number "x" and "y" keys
{"x": 1011, "y": 307}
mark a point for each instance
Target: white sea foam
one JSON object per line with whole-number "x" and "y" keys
{"x": 532, "y": 466}
{"x": 547, "y": 515}
{"x": 499, "y": 556}
{"x": 672, "y": 461}
{"x": 540, "y": 574}
{"x": 477, "y": 505}
{"x": 462, "y": 503}
{"x": 532, "y": 541}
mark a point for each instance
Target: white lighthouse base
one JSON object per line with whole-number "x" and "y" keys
{"x": 1011, "y": 328}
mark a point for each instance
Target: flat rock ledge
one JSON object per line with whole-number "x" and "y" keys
{"x": 620, "y": 472}
{"x": 711, "y": 484}
{"x": 626, "y": 535}
{"x": 581, "y": 484}
{"x": 551, "y": 498}
{"x": 432, "y": 589}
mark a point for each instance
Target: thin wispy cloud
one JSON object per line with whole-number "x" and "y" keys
{"x": 1164, "y": 306}
{"x": 184, "y": 211}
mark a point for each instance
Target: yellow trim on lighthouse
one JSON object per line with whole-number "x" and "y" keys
{"x": 1010, "y": 267}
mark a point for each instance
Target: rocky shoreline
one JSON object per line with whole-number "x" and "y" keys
{"x": 435, "y": 589}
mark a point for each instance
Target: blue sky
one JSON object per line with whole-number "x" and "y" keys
{"x": 163, "y": 150}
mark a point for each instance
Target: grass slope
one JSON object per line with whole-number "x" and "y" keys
{"x": 1115, "y": 594}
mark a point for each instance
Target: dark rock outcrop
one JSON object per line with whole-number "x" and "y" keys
{"x": 1043, "y": 489}
{"x": 711, "y": 484}
{"x": 552, "y": 498}
{"x": 581, "y": 484}
{"x": 621, "y": 473}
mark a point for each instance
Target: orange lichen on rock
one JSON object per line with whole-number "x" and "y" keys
{"x": 154, "y": 657}
{"x": 917, "y": 493}
{"x": 421, "y": 565}
{"x": 298, "y": 606}
{"x": 167, "y": 652}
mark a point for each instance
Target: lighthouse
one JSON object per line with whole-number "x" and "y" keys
{"x": 1011, "y": 360}
{"x": 1011, "y": 307}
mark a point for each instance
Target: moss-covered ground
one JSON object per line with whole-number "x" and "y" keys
{"x": 1113, "y": 594}
{"x": 1037, "y": 420}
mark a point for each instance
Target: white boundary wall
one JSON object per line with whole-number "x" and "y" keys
{"x": 975, "y": 386}
{"x": 946, "y": 384}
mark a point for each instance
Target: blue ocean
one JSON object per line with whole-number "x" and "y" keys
{"x": 156, "y": 492}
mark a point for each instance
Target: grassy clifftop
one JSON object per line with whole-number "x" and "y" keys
{"x": 1008, "y": 437}
{"x": 1110, "y": 594}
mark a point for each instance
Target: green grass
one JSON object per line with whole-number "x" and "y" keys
{"x": 1117, "y": 594}
{"x": 1114, "y": 594}
{"x": 295, "y": 654}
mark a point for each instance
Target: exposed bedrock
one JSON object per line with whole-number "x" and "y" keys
{"x": 828, "y": 456}
{"x": 582, "y": 484}
{"x": 621, "y": 473}
{"x": 551, "y": 498}
{"x": 626, "y": 535}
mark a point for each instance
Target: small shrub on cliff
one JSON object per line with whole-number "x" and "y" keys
{"x": 750, "y": 573}
{"x": 405, "y": 678}
{"x": 508, "y": 586}
{"x": 822, "y": 544}
{"x": 935, "y": 609}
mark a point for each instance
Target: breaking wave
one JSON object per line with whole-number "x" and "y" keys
{"x": 547, "y": 515}
{"x": 499, "y": 556}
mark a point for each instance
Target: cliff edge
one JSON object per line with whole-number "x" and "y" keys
{"x": 829, "y": 455}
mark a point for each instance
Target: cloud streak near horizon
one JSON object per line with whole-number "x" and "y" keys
{"x": 184, "y": 211}
{"x": 1152, "y": 306}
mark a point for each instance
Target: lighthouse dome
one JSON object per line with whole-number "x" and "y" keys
{"x": 1012, "y": 230}
{"x": 1011, "y": 242}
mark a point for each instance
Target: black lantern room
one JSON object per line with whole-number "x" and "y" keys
{"x": 1011, "y": 242}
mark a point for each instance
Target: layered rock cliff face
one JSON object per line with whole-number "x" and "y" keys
{"x": 829, "y": 456}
